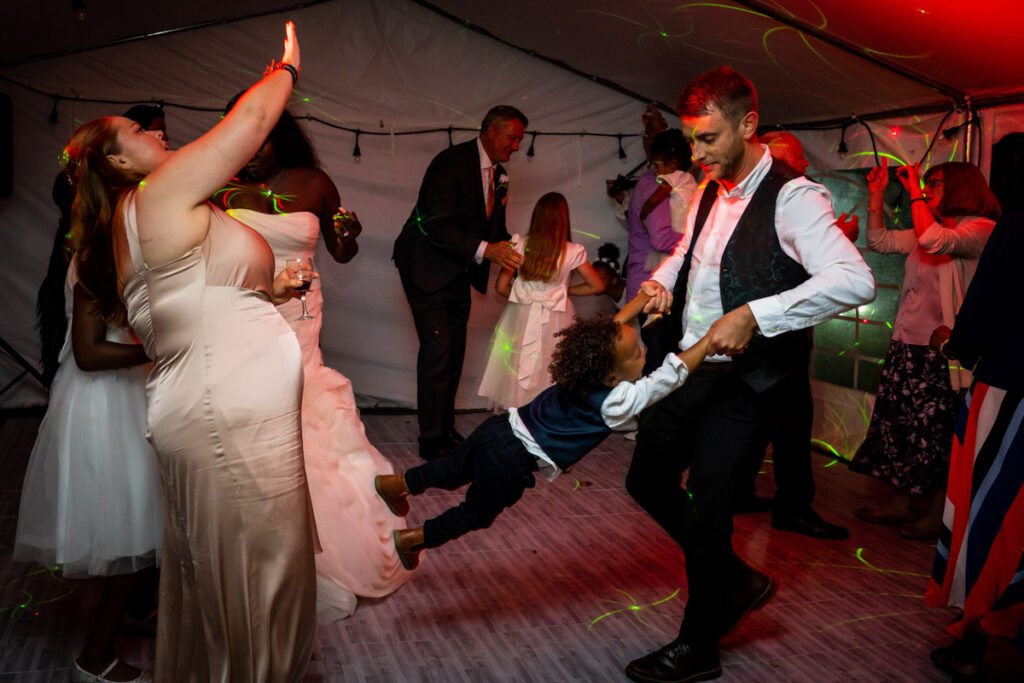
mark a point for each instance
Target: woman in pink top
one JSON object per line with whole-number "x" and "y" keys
{"x": 908, "y": 441}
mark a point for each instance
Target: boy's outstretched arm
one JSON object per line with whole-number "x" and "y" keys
{"x": 633, "y": 308}
{"x": 649, "y": 290}
{"x": 695, "y": 355}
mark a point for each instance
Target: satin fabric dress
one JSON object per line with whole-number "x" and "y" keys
{"x": 524, "y": 338}
{"x": 354, "y": 524}
{"x": 238, "y": 585}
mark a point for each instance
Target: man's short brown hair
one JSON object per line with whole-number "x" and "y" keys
{"x": 723, "y": 89}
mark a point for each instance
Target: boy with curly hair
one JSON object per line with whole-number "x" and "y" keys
{"x": 597, "y": 368}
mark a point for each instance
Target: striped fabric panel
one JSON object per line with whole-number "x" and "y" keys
{"x": 979, "y": 563}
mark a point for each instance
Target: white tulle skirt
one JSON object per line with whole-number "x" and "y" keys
{"x": 91, "y": 500}
{"x": 515, "y": 373}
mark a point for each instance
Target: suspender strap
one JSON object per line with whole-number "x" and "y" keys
{"x": 671, "y": 331}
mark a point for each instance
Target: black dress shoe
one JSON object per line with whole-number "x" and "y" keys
{"x": 750, "y": 594}
{"x": 809, "y": 523}
{"x": 677, "y": 662}
{"x": 752, "y": 504}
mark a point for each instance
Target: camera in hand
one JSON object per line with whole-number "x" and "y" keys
{"x": 621, "y": 184}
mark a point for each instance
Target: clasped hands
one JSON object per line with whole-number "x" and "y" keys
{"x": 728, "y": 336}
{"x": 503, "y": 254}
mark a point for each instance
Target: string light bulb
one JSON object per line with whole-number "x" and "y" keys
{"x": 530, "y": 153}
{"x": 80, "y": 10}
{"x": 622, "y": 152}
{"x": 356, "y": 152}
{"x": 842, "y": 149}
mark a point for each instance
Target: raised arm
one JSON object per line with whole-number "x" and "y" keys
{"x": 879, "y": 238}
{"x": 177, "y": 191}
{"x": 909, "y": 177}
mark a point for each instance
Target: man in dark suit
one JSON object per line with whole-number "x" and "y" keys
{"x": 456, "y": 230}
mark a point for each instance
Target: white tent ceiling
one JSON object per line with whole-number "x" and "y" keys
{"x": 394, "y": 65}
{"x": 811, "y": 59}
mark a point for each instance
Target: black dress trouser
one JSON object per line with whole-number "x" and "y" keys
{"x": 440, "y": 318}
{"x": 707, "y": 427}
{"x": 786, "y": 422}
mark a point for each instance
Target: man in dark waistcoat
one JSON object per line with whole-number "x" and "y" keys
{"x": 759, "y": 262}
{"x": 456, "y": 230}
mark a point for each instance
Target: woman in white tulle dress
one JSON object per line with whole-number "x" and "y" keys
{"x": 91, "y": 501}
{"x": 284, "y": 196}
{"x": 538, "y": 307}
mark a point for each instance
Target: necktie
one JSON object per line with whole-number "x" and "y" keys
{"x": 489, "y": 199}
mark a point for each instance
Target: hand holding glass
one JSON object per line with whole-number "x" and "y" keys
{"x": 302, "y": 269}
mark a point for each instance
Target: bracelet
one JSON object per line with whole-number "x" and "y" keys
{"x": 292, "y": 71}
{"x": 918, "y": 199}
{"x": 277, "y": 66}
{"x": 942, "y": 347}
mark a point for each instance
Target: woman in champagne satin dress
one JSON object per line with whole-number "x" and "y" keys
{"x": 237, "y": 587}
{"x": 284, "y": 195}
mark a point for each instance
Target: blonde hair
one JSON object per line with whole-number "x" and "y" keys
{"x": 545, "y": 243}
{"x": 100, "y": 187}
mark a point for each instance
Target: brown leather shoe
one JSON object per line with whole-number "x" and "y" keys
{"x": 393, "y": 491}
{"x": 409, "y": 544}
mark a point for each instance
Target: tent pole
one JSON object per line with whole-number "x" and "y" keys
{"x": 969, "y": 134}
{"x": 850, "y": 48}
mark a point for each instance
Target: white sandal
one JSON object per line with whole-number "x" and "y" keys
{"x": 79, "y": 675}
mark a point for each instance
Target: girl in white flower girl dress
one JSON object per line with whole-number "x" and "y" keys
{"x": 539, "y": 305}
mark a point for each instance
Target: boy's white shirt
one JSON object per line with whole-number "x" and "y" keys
{"x": 619, "y": 409}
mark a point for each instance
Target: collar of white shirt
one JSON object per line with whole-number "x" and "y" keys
{"x": 485, "y": 160}
{"x": 748, "y": 185}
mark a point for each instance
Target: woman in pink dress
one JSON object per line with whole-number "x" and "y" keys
{"x": 237, "y": 584}
{"x": 284, "y": 195}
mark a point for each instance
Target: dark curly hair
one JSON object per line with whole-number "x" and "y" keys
{"x": 585, "y": 356}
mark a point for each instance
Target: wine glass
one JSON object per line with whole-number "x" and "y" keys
{"x": 303, "y": 270}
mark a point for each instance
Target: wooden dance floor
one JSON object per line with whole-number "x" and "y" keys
{"x": 568, "y": 586}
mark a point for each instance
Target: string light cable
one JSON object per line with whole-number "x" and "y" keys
{"x": 356, "y": 131}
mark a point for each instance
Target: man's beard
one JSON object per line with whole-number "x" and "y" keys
{"x": 730, "y": 166}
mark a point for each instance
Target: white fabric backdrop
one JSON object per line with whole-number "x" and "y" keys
{"x": 377, "y": 65}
